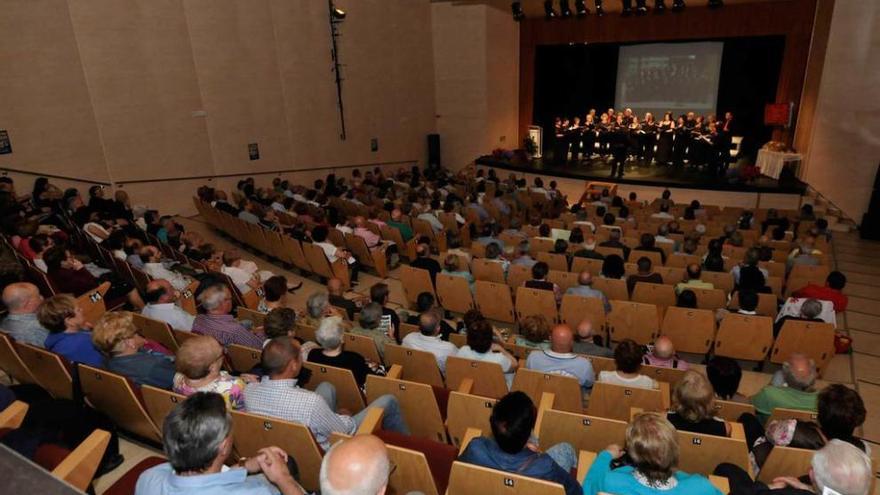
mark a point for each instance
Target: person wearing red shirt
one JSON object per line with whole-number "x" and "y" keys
{"x": 831, "y": 291}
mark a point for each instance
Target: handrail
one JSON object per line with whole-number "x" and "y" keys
{"x": 6, "y": 170}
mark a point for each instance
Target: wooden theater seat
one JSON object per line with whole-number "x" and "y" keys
{"x": 487, "y": 378}
{"x": 744, "y": 337}
{"x": 363, "y": 345}
{"x": 565, "y": 389}
{"x": 252, "y": 315}
{"x": 157, "y": 331}
{"x": 783, "y": 461}
{"x": 51, "y": 370}
{"x": 414, "y": 282}
{"x": 710, "y": 298}
{"x": 691, "y": 330}
{"x": 594, "y": 266}
{"x": 418, "y": 366}
{"x": 766, "y": 304}
{"x": 575, "y": 309}
{"x": 470, "y": 478}
{"x": 115, "y": 396}
{"x": 243, "y": 358}
{"x": 616, "y": 401}
{"x": 487, "y": 270}
{"x": 13, "y": 416}
{"x": 613, "y": 289}
{"x": 454, "y": 293}
{"x": 418, "y": 405}
{"x": 494, "y": 301}
{"x": 654, "y": 256}
{"x": 536, "y": 302}
{"x": 160, "y": 403}
{"x": 660, "y": 295}
{"x": 79, "y": 466}
{"x": 731, "y": 411}
{"x": 92, "y": 303}
{"x": 373, "y": 258}
{"x": 252, "y": 432}
{"x": 633, "y": 320}
{"x": 348, "y": 395}
{"x": 813, "y": 339}
{"x": 720, "y": 280}
{"x": 321, "y": 266}
{"x": 584, "y": 432}
{"x": 517, "y": 275}
{"x": 11, "y": 362}
{"x": 554, "y": 261}
{"x": 801, "y": 414}
{"x": 702, "y": 453}
{"x": 465, "y": 411}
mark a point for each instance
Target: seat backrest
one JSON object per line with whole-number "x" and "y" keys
{"x": 317, "y": 260}
{"x": 656, "y": 294}
{"x": 415, "y": 281}
{"x": 470, "y": 478}
{"x": 655, "y": 257}
{"x": 691, "y": 330}
{"x": 594, "y": 266}
{"x": 251, "y": 314}
{"x": 744, "y": 337}
{"x": 517, "y": 275}
{"x": 488, "y": 378}
{"x": 766, "y": 304}
{"x": 536, "y": 302}
{"x": 633, "y": 320}
{"x": 731, "y": 411}
{"x": 454, "y": 293}
{"x": 487, "y": 270}
{"x": 418, "y": 405}
{"x": 363, "y": 345}
{"x": 418, "y": 366}
{"x": 721, "y": 280}
{"x": 671, "y": 274}
{"x": 615, "y": 401}
{"x": 157, "y": 331}
{"x": 348, "y": 395}
{"x": 612, "y": 288}
{"x": 663, "y": 374}
{"x": 160, "y": 403}
{"x": 564, "y": 280}
{"x": 783, "y": 461}
{"x": 554, "y": 261}
{"x": 567, "y": 390}
{"x": 252, "y": 432}
{"x": 92, "y": 303}
{"x": 243, "y": 358}
{"x": 494, "y": 301}
{"x": 115, "y": 396}
{"x": 813, "y": 339}
{"x": 49, "y": 369}
{"x": 11, "y": 362}
{"x": 783, "y": 413}
{"x": 701, "y": 454}
{"x": 38, "y": 278}
{"x": 584, "y": 432}
{"x": 710, "y": 298}
{"x": 465, "y": 411}
{"x": 575, "y": 308}
{"x": 682, "y": 260}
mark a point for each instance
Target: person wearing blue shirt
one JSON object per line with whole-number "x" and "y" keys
{"x": 560, "y": 359}
{"x": 64, "y": 319}
{"x": 652, "y": 448}
{"x": 509, "y": 449}
{"x": 119, "y": 339}
{"x": 197, "y": 439}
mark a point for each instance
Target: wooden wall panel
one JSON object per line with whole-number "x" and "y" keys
{"x": 44, "y": 101}
{"x": 791, "y": 18}
{"x": 139, "y": 66}
{"x": 233, "y": 46}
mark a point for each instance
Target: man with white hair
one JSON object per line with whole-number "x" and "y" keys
{"x": 329, "y": 336}
{"x": 794, "y": 392}
{"x": 584, "y": 341}
{"x": 22, "y": 300}
{"x": 359, "y": 465}
{"x": 217, "y": 321}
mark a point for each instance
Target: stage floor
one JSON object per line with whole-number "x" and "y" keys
{"x": 638, "y": 173}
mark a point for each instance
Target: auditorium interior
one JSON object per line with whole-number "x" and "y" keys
{"x": 440, "y": 246}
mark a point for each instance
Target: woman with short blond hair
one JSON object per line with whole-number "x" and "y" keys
{"x": 693, "y": 400}
{"x": 534, "y": 332}
{"x": 652, "y": 446}
{"x": 121, "y": 341}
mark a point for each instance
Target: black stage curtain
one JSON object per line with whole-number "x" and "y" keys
{"x": 571, "y": 79}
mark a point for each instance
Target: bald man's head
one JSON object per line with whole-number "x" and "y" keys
{"x": 799, "y": 372}
{"x": 357, "y": 466}
{"x": 21, "y": 298}
{"x": 663, "y": 348}
{"x": 585, "y": 329}
{"x": 561, "y": 339}
{"x": 585, "y": 278}
{"x": 334, "y": 287}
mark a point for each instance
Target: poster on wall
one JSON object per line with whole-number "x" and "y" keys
{"x": 5, "y": 145}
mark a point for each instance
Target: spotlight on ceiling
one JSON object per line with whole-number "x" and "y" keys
{"x": 336, "y": 13}
{"x": 659, "y": 6}
{"x": 564, "y": 9}
{"x": 518, "y": 14}
{"x": 714, "y": 4}
{"x": 600, "y": 11}
{"x": 580, "y": 7}
{"x": 549, "y": 12}
{"x": 627, "y": 8}
{"x": 641, "y": 7}
{"x": 677, "y": 5}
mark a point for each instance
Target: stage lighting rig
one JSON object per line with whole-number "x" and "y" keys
{"x": 518, "y": 14}
{"x": 600, "y": 11}
{"x": 580, "y": 8}
{"x": 677, "y": 5}
{"x": 641, "y": 7}
{"x": 549, "y": 12}
{"x": 714, "y": 4}
{"x": 659, "y": 6}
{"x": 564, "y": 9}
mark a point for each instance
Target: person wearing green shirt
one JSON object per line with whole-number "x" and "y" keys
{"x": 796, "y": 392}
{"x": 405, "y": 230}
{"x": 694, "y": 272}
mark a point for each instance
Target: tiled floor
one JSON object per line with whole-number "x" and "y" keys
{"x": 857, "y": 260}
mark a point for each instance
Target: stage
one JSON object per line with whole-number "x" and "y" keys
{"x": 641, "y": 174}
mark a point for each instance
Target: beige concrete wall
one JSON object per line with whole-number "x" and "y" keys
{"x": 845, "y": 138}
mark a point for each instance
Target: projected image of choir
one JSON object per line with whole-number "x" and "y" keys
{"x": 688, "y": 140}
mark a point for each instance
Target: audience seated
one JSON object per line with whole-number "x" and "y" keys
{"x": 585, "y": 289}
{"x": 22, "y": 299}
{"x": 810, "y": 311}
{"x": 522, "y": 255}
{"x": 379, "y": 293}
{"x": 693, "y": 402}
{"x": 628, "y": 358}
{"x": 244, "y": 273}
{"x": 560, "y": 359}
{"x": 336, "y": 297}
{"x": 585, "y": 341}
{"x": 725, "y": 375}
{"x": 534, "y": 332}
{"x": 274, "y": 293}
{"x": 161, "y": 298}
{"x": 370, "y": 325}
{"x": 652, "y": 448}
{"x": 840, "y": 411}
{"x": 539, "y": 281}
{"x": 510, "y": 448}
{"x": 693, "y": 280}
{"x": 329, "y": 337}
{"x": 217, "y": 322}
{"x": 281, "y": 322}
{"x": 428, "y": 339}
{"x": 686, "y": 299}
{"x": 63, "y": 318}
{"x": 69, "y": 275}
{"x": 359, "y": 465}
{"x": 645, "y": 274}
{"x": 791, "y": 388}
{"x": 278, "y": 395}
{"x": 154, "y": 267}
{"x": 614, "y": 242}
{"x": 452, "y": 266}
{"x": 480, "y": 347}
{"x": 199, "y": 361}
{"x": 197, "y": 439}
{"x": 117, "y": 337}
{"x": 663, "y": 355}
{"x": 425, "y": 301}
{"x": 831, "y": 291}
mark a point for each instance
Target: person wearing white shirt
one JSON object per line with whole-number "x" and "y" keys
{"x": 160, "y": 298}
{"x": 333, "y": 253}
{"x": 154, "y": 268}
{"x": 628, "y": 358}
{"x": 244, "y": 273}
{"x": 431, "y": 218}
{"x": 428, "y": 339}
{"x": 480, "y": 347}
{"x": 663, "y": 213}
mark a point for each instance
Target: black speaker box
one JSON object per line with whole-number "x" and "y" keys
{"x": 434, "y": 150}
